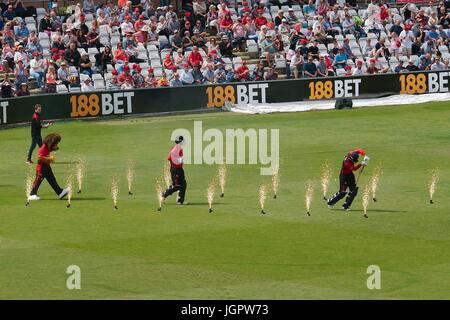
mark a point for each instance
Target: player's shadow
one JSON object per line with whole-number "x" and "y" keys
{"x": 82, "y": 199}
{"x": 372, "y": 210}
{"x": 198, "y": 204}
{"x": 65, "y": 162}
{"x": 6, "y": 185}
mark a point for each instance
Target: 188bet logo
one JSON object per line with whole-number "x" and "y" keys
{"x": 91, "y": 105}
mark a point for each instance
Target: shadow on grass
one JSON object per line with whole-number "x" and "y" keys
{"x": 81, "y": 199}
{"x": 370, "y": 210}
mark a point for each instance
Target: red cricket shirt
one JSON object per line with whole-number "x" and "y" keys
{"x": 43, "y": 152}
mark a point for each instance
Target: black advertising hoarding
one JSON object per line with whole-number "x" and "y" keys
{"x": 191, "y": 98}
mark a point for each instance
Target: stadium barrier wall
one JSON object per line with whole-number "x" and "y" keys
{"x": 191, "y": 98}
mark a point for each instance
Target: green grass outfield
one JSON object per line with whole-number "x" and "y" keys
{"x": 234, "y": 253}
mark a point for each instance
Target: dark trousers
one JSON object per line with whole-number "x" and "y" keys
{"x": 178, "y": 184}
{"x": 46, "y": 173}
{"x": 345, "y": 181}
{"x": 34, "y": 141}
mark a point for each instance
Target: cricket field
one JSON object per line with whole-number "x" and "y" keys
{"x": 184, "y": 252}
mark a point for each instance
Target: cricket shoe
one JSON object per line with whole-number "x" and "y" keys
{"x": 185, "y": 203}
{"x": 33, "y": 197}
{"x": 64, "y": 193}
{"x": 29, "y": 162}
{"x": 330, "y": 206}
{"x": 345, "y": 208}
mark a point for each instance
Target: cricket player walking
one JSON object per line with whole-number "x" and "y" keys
{"x": 347, "y": 178}
{"x": 176, "y": 171}
{"x": 36, "y": 126}
{"x": 44, "y": 170}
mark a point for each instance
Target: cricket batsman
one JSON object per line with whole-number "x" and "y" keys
{"x": 176, "y": 171}
{"x": 44, "y": 170}
{"x": 36, "y": 126}
{"x": 347, "y": 178}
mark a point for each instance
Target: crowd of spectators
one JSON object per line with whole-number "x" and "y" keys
{"x": 132, "y": 44}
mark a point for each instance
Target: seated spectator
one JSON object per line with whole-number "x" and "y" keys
{"x": 113, "y": 84}
{"x": 411, "y": 66}
{"x": 163, "y": 81}
{"x": 347, "y": 50}
{"x": 127, "y": 26}
{"x": 127, "y": 85}
{"x": 132, "y": 53}
{"x": 7, "y": 87}
{"x": 268, "y": 49}
{"x": 296, "y": 65}
{"x": 125, "y": 75}
{"x": 9, "y": 14}
{"x": 243, "y": 72}
{"x": 186, "y": 76}
{"x": 86, "y": 85}
{"x": 239, "y": 35}
{"x": 310, "y": 68}
{"x": 187, "y": 43}
{"x": 437, "y": 65}
{"x": 358, "y": 71}
{"x": 180, "y": 59}
{"x": 309, "y": 10}
{"x": 142, "y": 35}
{"x": 23, "y": 90}
{"x": 138, "y": 78}
{"x": 399, "y": 68}
{"x": 271, "y": 74}
{"x": 93, "y": 38}
{"x": 176, "y": 82}
{"x": 150, "y": 79}
{"x": 102, "y": 59}
{"x": 72, "y": 55}
{"x": 230, "y": 75}
{"x": 197, "y": 74}
{"x": 86, "y": 65}
{"x": 226, "y": 24}
{"x": 291, "y": 17}
{"x": 220, "y": 75}
{"x": 50, "y": 80}
{"x": 340, "y": 60}
{"x": 208, "y": 74}
{"x": 212, "y": 18}
{"x": 21, "y": 55}
{"x": 88, "y": 6}
{"x": 226, "y": 49}
{"x": 195, "y": 58}
{"x": 322, "y": 68}
{"x": 381, "y": 50}
{"x": 177, "y": 41}
{"x": 120, "y": 56}
{"x": 22, "y": 32}
{"x": 373, "y": 69}
{"x": 168, "y": 63}
{"x": 45, "y": 25}
{"x": 37, "y": 66}
{"x": 21, "y": 74}
{"x": 63, "y": 74}
{"x": 396, "y": 28}
{"x": 258, "y": 72}
{"x": 260, "y": 20}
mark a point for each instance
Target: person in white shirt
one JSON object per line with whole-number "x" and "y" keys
{"x": 87, "y": 85}
{"x": 407, "y": 39}
{"x": 37, "y": 66}
{"x": 21, "y": 55}
{"x": 358, "y": 71}
{"x": 296, "y": 63}
{"x": 127, "y": 26}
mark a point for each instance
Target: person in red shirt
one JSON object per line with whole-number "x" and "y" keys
{"x": 168, "y": 63}
{"x": 347, "y": 178}
{"x": 243, "y": 71}
{"x": 176, "y": 171}
{"x": 195, "y": 58}
{"x": 260, "y": 19}
{"x": 125, "y": 75}
{"x": 44, "y": 170}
